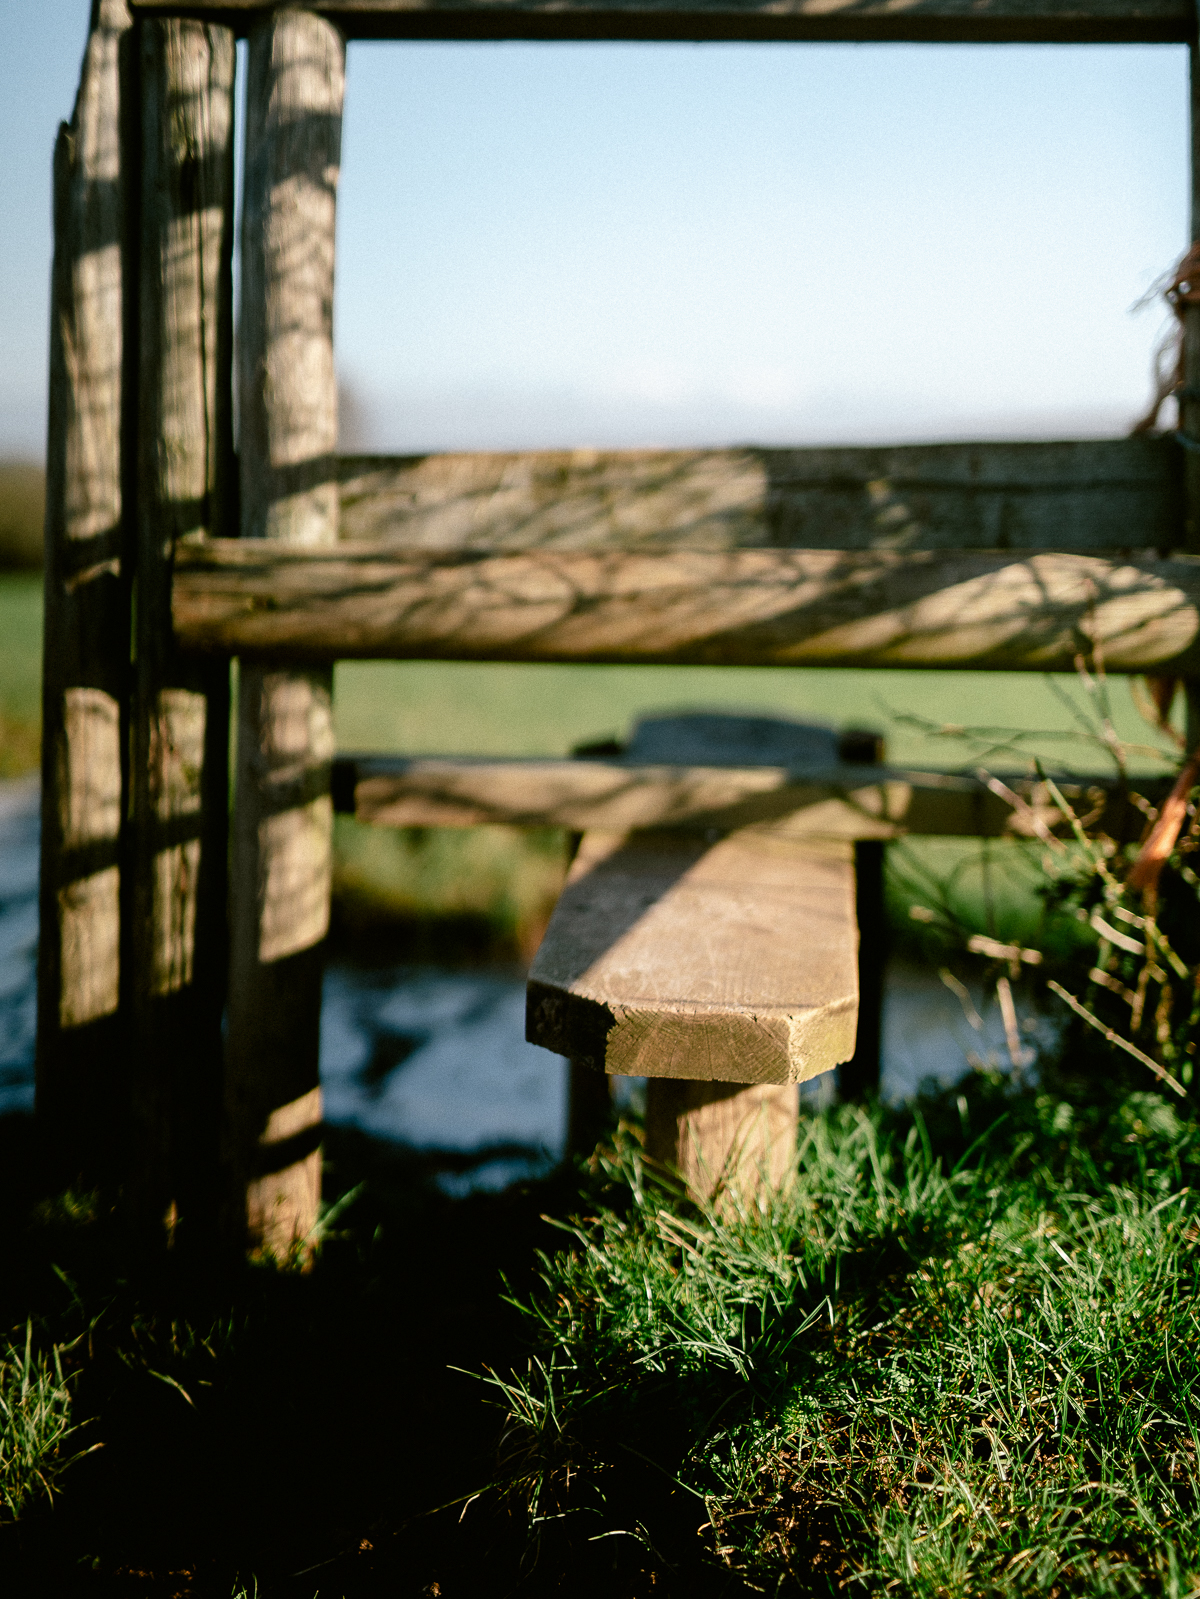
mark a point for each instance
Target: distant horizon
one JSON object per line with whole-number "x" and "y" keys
{"x": 1035, "y": 429}
{"x": 620, "y": 246}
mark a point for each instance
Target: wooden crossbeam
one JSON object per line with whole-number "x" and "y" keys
{"x": 1089, "y": 495}
{"x": 880, "y": 608}
{"x": 839, "y": 801}
{"x": 857, "y": 21}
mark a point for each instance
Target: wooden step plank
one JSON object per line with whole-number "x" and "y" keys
{"x": 1089, "y": 495}
{"x": 734, "y": 962}
{"x": 848, "y": 802}
{"x": 880, "y": 608}
{"x": 943, "y": 21}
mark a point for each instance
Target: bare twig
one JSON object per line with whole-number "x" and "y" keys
{"x": 1165, "y": 831}
{"x": 1115, "y": 1038}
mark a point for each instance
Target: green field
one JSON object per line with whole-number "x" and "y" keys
{"x": 20, "y": 671}
{"x": 426, "y": 707}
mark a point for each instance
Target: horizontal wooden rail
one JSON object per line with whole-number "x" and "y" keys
{"x": 842, "y": 801}
{"x": 1097, "y": 494}
{"x": 739, "y": 608}
{"x": 937, "y": 21}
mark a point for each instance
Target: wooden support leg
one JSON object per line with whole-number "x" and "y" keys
{"x": 180, "y": 776}
{"x": 589, "y": 1108}
{"x": 858, "y": 1078}
{"x": 723, "y": 1137}
{"x": 81, "y": 1087}
{"x": 283, "y": 812}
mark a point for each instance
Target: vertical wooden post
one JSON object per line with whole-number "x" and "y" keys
{"x": 180, "y": 775}
{"x": 723, "y": 1138}
{"x": 81, "y": 1093}
{"x": 858, "y": 1078}
{"x": 283, "y": 818}
{"x": 1189, "y": 400}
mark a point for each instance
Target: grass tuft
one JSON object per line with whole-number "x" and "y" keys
{"x": 35, "y": 1424}
{"x": 920, "y": 1369}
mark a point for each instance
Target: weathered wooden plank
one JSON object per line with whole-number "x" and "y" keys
{"x": 180, "y": 767}
{"x": 847, "y": 802}
{"x": 957, "y": 21}
{"x": 731, "y": 962}
{"x": 742, "y": 607}
{"x": 283, "y": 815}
{"x": 81, "y": 1090}
{"x": 1093, "y": 495}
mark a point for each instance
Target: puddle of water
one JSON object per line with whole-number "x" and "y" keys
{"x": 437, "y": 1060}
{"x": 18, "y": 942}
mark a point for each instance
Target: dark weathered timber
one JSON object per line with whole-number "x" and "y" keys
{"x": 283, "y": 821}
{"x": 847, "y": 802}
{"x": 180, "y": 769}
{"x": 81, "y": 1092}
{"x": 858, "y": 1077}
{"x": 856, "y": 21}
{"x": 1038, "y": 612}
{"x": 1090, "y": 495}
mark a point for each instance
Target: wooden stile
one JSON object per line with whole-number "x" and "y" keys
{"x": 717, "y": 958}
{"x": 81, "y": 1085}
{"x": 180, "y": 775}
{"x": 706, "y": 968}
{"x": 282, "y": 834}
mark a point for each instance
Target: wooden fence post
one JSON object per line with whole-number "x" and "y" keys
{"x": 1189, "y": 399}
{"x": 180, "y": 774}
{"x": 81, "y": 1092}
{"x": 283, "y": 818}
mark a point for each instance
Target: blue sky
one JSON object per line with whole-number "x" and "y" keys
{"x": 619, "y": 245}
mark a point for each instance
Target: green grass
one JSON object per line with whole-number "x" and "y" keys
{"x": 958, "y": 1356}
{"x": 20, "y": 671}
{"x": 35, "y": 1424}
{"x": 947, "y": 1361}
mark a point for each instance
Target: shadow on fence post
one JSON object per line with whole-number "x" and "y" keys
{"x": 82, "y": 1093}
{"x": 180, "y": 744}
{"x": 283, "y": 816}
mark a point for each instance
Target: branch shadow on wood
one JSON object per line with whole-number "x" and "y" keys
{"x": 571, "y": 1024}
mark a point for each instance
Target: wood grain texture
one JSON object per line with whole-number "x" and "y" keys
{"x": 733, "y": 962}
{"x": 180, "y": 764}
{"x": 726, "y": 1141}
{"x": 847, "y": 802}
{"x": 279, "y": 902}
{"x": 80, "y": 1054}
{"x": 743, "y": 607}
{"x": 1087, "y": 496}
{"x": 962, "y": 21}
